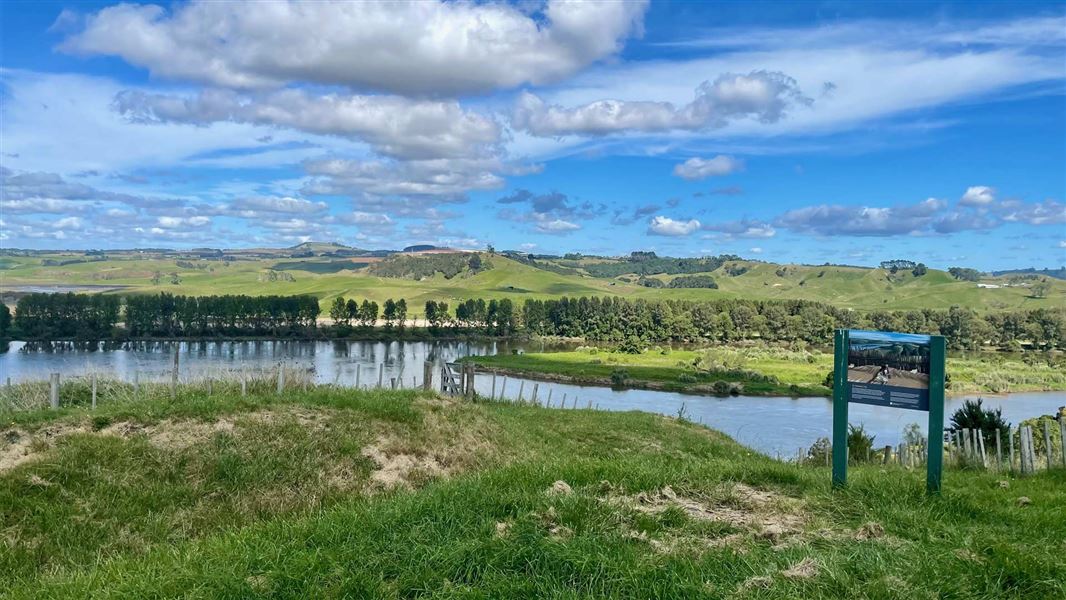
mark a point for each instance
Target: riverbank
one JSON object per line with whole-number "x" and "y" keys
{"x": 335, "y": 493}
{"x": 758, "y": 371}
{"x": 623, "y": 371}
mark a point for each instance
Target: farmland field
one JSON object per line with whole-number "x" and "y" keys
{"x": 328, "y": 277}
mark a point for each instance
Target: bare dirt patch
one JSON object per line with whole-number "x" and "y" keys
{"x": 742, "y": 507}
{"x": 18, "y": 447}
{"x": 804, "y": 569}
{"x": 398, "y": 469}
{"x": 759, "y": 513}
{"x": 560, "y": 488}
{"x": 870, "y": 531}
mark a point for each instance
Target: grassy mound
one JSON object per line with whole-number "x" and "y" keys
{"x": 337, "y": 493}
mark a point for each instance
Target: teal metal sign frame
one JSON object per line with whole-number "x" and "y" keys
{"x": 842, "y": 395}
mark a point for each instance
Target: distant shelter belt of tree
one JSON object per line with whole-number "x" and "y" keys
{"x": 605, "y": 319}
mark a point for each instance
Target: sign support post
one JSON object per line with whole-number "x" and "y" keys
{"x": 935, "y": 461}
{"x": 840, "y": 408}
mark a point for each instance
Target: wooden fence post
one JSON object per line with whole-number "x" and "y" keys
{"x": 548, "y": 402}
{"x": 533, "y": 399}
{"x": 244, "y": 383}
{"x": 427, "y": 376}
{"x": 1021, "y": 450}
{"x": 1062, "y": 438}
{"x": 492, "y": 395}
{"x": 381, "y": 374}
{"x": 358, "y": 372}
{"x": 887, "y": 456}
{"x": 1032, "y": 449}
{"x": 1010, "y": 443}
{"x": 281, "y": 378}
{"x": 999, "y": 450}
{"x": 521, "y": 388}
{"x": 174, "y": 374}
{"x": 503, "y": 388}
{"x": 53, "y": 391}
{"x": 1025, "y": 463}
{"x": 470, "y": 381}
{"x": 136, "y": 383}
{"x": 981, "y": 443}
{"x": 1047, "y": 443}
{"x": 94, "y": 389}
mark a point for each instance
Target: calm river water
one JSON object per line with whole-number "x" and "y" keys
{"x": 769, "y": 424}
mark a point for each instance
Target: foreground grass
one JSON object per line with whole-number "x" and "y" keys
{"x": 285, "y": 500}
{"x": 762, "y": 370}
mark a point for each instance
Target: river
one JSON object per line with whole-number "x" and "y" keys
{"x": 773, "y": 425}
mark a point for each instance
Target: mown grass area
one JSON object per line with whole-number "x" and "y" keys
{"x": 790, "y": 372}
{"x": 337, "y": 493}
{"x": 327, "y": 278}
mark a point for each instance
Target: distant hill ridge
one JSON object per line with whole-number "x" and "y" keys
{"x": 1059, "y": 273}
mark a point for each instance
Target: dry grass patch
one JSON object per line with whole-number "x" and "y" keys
{"x": 766, "y": 514}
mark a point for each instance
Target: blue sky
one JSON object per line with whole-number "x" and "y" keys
{"x": 792, "y": 132}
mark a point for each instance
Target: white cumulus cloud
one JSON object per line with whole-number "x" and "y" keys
{"x": 392, "y": 125}
{"x": 978, "y": 195}
{"x": 426, "y": 47}
{"x": 661, "y": 225}
{"x": 701, "y": 168}
{"x": 761, "y": 95}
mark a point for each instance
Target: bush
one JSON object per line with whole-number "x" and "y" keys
{"x": 818, "y": 453}
{"x": 694, "y": 281}
{"x": 973, "y": 415}
{"x": 686, "y": 378}
{"x": 721, "y": 388}
{"x": 631, "y": 345}
{"x": 860, "y": 443}
{"x": 619, "y": 377}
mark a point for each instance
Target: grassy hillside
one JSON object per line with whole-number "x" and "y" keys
{"x": 327, "y": 277}
{"x": 332, "y": 494}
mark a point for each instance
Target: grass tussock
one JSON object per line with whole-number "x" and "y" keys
{"x": 341, "y": 493}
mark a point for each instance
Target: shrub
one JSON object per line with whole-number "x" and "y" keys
{"x": 973, "y": 415}
{"x": 631, "y": 345}
{"x": 686, "y": 378}
{"x": 860, "y": 443}
{"x": 721, "y": 388}
{"x": 619, "y": 377}
{"x": 818, "y": 453}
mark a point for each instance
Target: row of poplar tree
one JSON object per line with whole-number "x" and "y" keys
{"x": 607, "y": 319}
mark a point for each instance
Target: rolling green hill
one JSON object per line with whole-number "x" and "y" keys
{"x": 330, "y": 276}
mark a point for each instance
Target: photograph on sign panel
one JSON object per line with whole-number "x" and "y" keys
{"x": 889, "y": 359}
